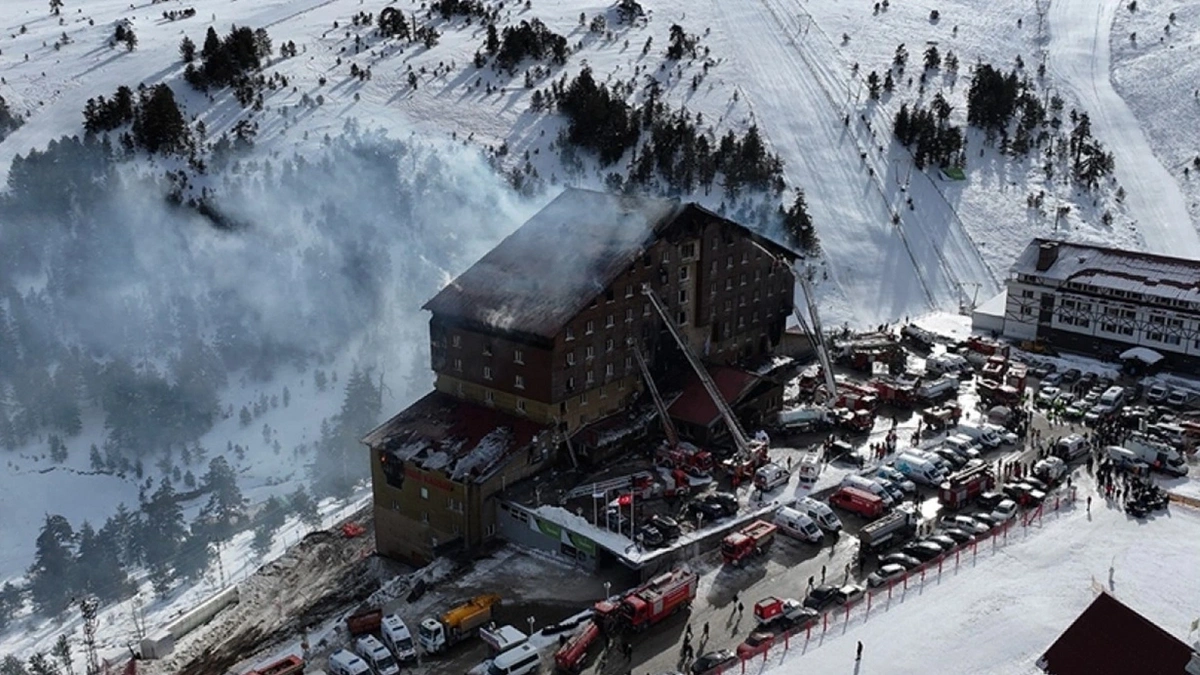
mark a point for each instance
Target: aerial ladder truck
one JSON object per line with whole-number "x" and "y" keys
{"x": 680, "y": 455}
{"x": 750, "y": 453}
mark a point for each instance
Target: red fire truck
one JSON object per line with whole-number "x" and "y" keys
{"x": 570, "y": 657}
{"x": 965, "y": 485}
{"x": 753, "y": 539}
{"x": 651, "y": 602}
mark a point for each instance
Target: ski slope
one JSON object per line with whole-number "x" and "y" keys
{"x": 1079, "y": 60}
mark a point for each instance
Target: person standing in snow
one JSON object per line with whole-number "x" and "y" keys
{"x": 858, "y": 652}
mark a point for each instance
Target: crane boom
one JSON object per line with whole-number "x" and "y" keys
{"x": 668, "y": 426}
{"x": 818, "y": 332}
{"x": 735, "y": 429}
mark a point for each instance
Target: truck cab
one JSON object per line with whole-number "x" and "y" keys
{"x": 752, "y": 540}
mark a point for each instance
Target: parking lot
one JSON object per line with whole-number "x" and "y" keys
{"x": 786, "y": 571}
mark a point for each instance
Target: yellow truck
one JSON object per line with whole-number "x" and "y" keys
{"x": 437, "y": 634}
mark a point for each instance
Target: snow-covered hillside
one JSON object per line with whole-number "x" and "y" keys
{"x": 1155, "y": 53}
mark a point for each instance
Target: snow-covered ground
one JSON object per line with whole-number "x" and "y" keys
{"x": 781, "y": 64}
{"x": 1157, "y": 74}
{"x": 1079, "y": 58}
{"x": 996, "y": 614}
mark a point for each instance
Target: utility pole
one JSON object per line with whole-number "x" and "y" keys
{"x": 88, "y": 607}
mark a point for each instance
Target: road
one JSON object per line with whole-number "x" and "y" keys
{"x": 1079, "y": 61}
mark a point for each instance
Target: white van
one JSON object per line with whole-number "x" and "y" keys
{"x": 1072, "y": 447}
{"x": 868, "y": 485}
{"x": 1124, "y": 458}
{"x": 1113, "y": 398}
{"x": 397, "y": 638}
{"x": 962, "y": 444}
{"x": 795, "y": 524}
{"x": 980, "y": 434}
{"x": 770, "y": 476}
{"x": 919, "y": 470}
{"x": 520, "y": 660}
{"x": 376, "y": 655}
{"x": 345, "y": 662}
{"x": 820, "y": 513}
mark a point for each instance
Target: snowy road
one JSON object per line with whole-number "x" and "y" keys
{"x": 1079, "y": 60}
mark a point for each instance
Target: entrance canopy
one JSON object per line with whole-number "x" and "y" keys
{"x": 1144, "y": 354}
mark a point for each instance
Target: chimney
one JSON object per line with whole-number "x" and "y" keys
{"x": 1193, "y": 666}
{"x": 1047, "y": 254}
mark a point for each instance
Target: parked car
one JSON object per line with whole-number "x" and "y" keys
{"x": 893, "y": 474}
{"x": 1036, "y": 483}
{"x": 1005, "y": 511}
{"x": 1157, "y": 393}
{"x": 1178, "y": 398}
{"x": 758, "y": 642}
{"x": 1053, "y": 380}
{"x": 667, "y": 525}
{"x": 1071, "y": 375}
{"x": 1088, "y": 378}
{"x": 1024, "y": 494}
{"x": 892, "y": 489}
{"x": 947, "y": 543}
{"x": 728, "y": 501}
{"x": 956, "y": 460}
{"x": 902, "y": 559}
{"x": 965, "y": 523}
{"x": 959, "y": 536}
{"x": 885, "y": 574}
{"x": 922, "y": 550}
{"x": 821, "y": 597}
{"x": 1040, "y": 371}
{"x": 989, "y": 499}
{"x": 1075, "y": 411}
{"x": 709, "y": 510}
{"x": 651, "y": 536}
{"x": 1051, "y": 469}
{"x": 848, "y": 594}
{"x": 1046, "y": 395}
{"x": 721, "y": 659}
{"x": 987, "y": 518}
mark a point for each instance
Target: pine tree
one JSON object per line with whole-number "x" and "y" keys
{"x": 195, "y": 554}
{"x": 50, "y": 576}
{"x": 306, "y": 507}
{"x": 225, "y": 506}
{"x": 40, "y": 665}
{"x": 212, "y": 44}
{"x": 873, "y": 85}
{"x": 492, "y": 43}
{"x": 62, "y": 653}
{"x": 11, "y": 599}
{"x": 158, "y": 125}
{"x": 163, "y": 532}
{"x": 187, "y": 50}
{"x": 100, "y": 572}
{"x": 11, "y": 665}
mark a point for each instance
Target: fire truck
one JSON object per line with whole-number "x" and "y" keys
{"x": 752, "y": 540}
{"x": 651, "y": 602}
{"x": 894, "y": 393}
{"x": 992, "y": 392}
{"x": 965, "y": 485}
{"x": 569, "y": 658}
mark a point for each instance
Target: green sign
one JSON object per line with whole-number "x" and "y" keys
{"x": 582, "y": 543}
{"x": 549, "y": 529}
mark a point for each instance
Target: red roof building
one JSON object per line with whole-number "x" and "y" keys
{"x": 1109, "y": 638}
{"x": 696, "y": 415}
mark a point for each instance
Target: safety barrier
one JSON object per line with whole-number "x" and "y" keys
{"x": 1184, "y": 499}
{"x": 998, "y": 536}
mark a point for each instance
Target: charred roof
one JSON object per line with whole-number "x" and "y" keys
{"x": 541, "y": 276}
{"x": 464, "y": 440}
